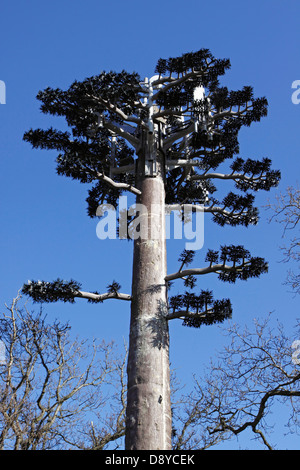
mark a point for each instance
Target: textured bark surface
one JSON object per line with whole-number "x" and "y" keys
{"x": 148, "y": 422}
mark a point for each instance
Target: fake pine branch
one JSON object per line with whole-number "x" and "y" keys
{"x": 243, "y": 266}
{"x": 197, "y": 310}
{"x": 41, "y": 291}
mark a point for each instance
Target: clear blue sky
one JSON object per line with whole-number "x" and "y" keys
{"x": 45, "y": 231}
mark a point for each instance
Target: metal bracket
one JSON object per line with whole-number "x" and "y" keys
{"x": 150, "y": 168}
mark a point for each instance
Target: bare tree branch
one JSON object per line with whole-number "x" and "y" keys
{"x": 286, "y": 211}
{"x": 117, "y": 185}
{"x": 212, "y": 209}
{"x": 49, "y": 384}
{"x": 242, "y": 385}
{"x": 217, "y": 269}
{"x": 100, "y": 297}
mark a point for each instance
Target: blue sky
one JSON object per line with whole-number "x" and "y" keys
{"x": 45, "y": 231}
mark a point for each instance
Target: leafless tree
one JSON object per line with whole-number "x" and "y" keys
{"x": 59, "y": 393}
{"x": 51, "y": 386}
{"x": 286, "y": 211}
{"x": 259, "y": 369}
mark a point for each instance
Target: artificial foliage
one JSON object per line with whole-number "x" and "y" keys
{"x": 107, "y": 115}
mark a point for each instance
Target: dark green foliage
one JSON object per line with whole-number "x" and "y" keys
{"x": 101, "y": 194}
{"x": 179, "y": 191}
{"x": 113, "y": 288}
{"x": 219, "y": 311}
{"x": 190, "y": 281}
{"x": 80, "y": 102}
{"x": 235, "y": 253}
{"x": 201, "y": 60}
{"x": 237, "y": 210}
{"x": 59, "y": 290}
{"x": 254, "y": 268}
{"x": 221, "y": 114}
{"x": 230, "y": 263}
{"x": 86, "y": 150}
{"x": 202, "y": 309}
{"x": 260, "y": 176}
{"x": 199, "y": 130}
{"x": 212, "y": 256}
{"x": 238, "y": 262}
{"x": 186, "y": 257}
{"x": 41, "y": 291}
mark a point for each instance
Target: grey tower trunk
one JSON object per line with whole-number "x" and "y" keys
{"x": 148, "y": 416}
